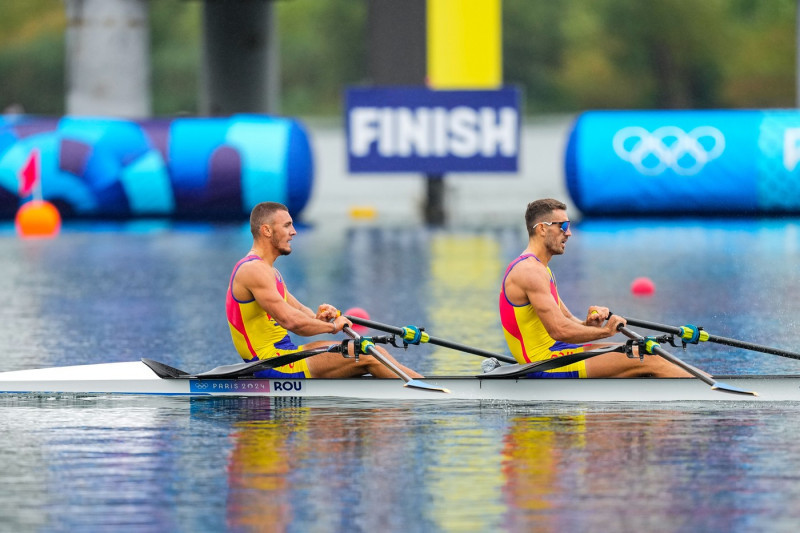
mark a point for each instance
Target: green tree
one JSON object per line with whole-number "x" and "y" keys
{"x": 323, "y": 49}
{"x": 175, "y": 52}
{"x": 32, "y": 56}
{"x": 758, "y": 62}
{"x": 534, "y": 46}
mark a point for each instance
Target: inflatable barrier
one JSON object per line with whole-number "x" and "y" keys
{"x": 685, "y": 162}
{"x": 205, "y": 168}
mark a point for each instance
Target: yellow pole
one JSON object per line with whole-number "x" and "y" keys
{"x": 465, "y": 44}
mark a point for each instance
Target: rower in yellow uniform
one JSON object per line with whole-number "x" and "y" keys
{"x": 261, "y": 311}
{"x": 538, "y": 325}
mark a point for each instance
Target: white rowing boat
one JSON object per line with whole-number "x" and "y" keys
{"x": 148, "y": 377}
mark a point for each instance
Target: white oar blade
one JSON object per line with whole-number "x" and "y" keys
{"x": 418, "y": 384}
{"x": 733, "y": 390}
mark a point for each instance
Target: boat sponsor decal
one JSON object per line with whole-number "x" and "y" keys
{"x": 211, "y": 386}
{"x": 230, "y": 385}
{"x": 287, "y": 386}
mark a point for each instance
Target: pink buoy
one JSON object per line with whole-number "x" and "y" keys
{"x": 358, "y": 313}
{"x": 643, "y": 286}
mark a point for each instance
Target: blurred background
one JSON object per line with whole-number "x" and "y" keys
{"x": 170, "y": 59}
{"x": 568, "y": 55}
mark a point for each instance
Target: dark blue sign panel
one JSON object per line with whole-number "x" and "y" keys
{"x": 413, "y": 129}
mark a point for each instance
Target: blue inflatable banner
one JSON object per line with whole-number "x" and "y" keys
{"x": 685, "y": 162}
{"x": 203, "y": 168}
{"x": 414, "y": 129}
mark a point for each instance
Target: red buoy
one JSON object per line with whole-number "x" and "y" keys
{"x": 358, "y": 313}
{"x": 643, "y": 286}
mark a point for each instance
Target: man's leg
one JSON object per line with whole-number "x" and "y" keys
{"x": 333, "y": 365}
{"x": 619, "y": 365}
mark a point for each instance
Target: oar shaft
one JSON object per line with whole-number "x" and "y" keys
{"x": 432, "y": 340}
{"x": 653, "y": 325}
{"x": 714, "y": 338}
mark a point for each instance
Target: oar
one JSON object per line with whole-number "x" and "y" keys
{"x": 368, "y": 346}
{"x": 247, "y": 369}
{"x": 654, "y": 348}
{"x": 406, "y": 333}
{"x": 684, "y": 332}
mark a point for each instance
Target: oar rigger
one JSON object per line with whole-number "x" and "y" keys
{"x": 694, "y": 334}
{"x": 365, "y": 344}
{"x": 361, "y": 347}
{"x": 653, "y": 347}
{"x": 647, "y": 345}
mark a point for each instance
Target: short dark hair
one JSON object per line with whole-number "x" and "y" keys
{"x": 537, "y": 211}
{"x": 262, "y": 214}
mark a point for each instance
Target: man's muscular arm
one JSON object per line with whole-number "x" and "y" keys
{"x": 259, "y": 280}
{"x": 557, "y": 320}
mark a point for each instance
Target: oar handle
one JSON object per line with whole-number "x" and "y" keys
{"x": 432, "y": 340}
{"x": 714, "y": 338}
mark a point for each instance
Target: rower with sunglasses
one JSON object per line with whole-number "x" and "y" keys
{"x": 536, "y": 322}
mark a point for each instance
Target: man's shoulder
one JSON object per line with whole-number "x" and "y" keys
{"x": 528, "y": 272}
{"x": 528, "y": 264}
{"x": 255, "y": 271}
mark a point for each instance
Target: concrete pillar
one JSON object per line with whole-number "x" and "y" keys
{"x": 240, "y": 71}
{"x": 108, "y": 58}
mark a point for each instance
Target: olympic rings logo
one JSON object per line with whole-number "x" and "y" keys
{"x": 669, "y": 147}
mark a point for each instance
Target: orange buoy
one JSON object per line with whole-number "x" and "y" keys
{"x": 38, "y": 219}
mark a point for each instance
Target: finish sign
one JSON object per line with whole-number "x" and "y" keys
{"x": 422, "y": 130}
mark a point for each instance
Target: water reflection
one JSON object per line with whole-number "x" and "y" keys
{"x": 357, "y": 467}
{"x": 683, "y": 469}
{"x": 261, "y": 464}
{"x": 293, "y": 463}
{"x": 86, "y": 464}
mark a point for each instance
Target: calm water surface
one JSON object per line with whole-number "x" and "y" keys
{"x": 119, "y": 292}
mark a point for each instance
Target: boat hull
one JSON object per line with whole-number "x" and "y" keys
{"x": 138, "y": 378}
